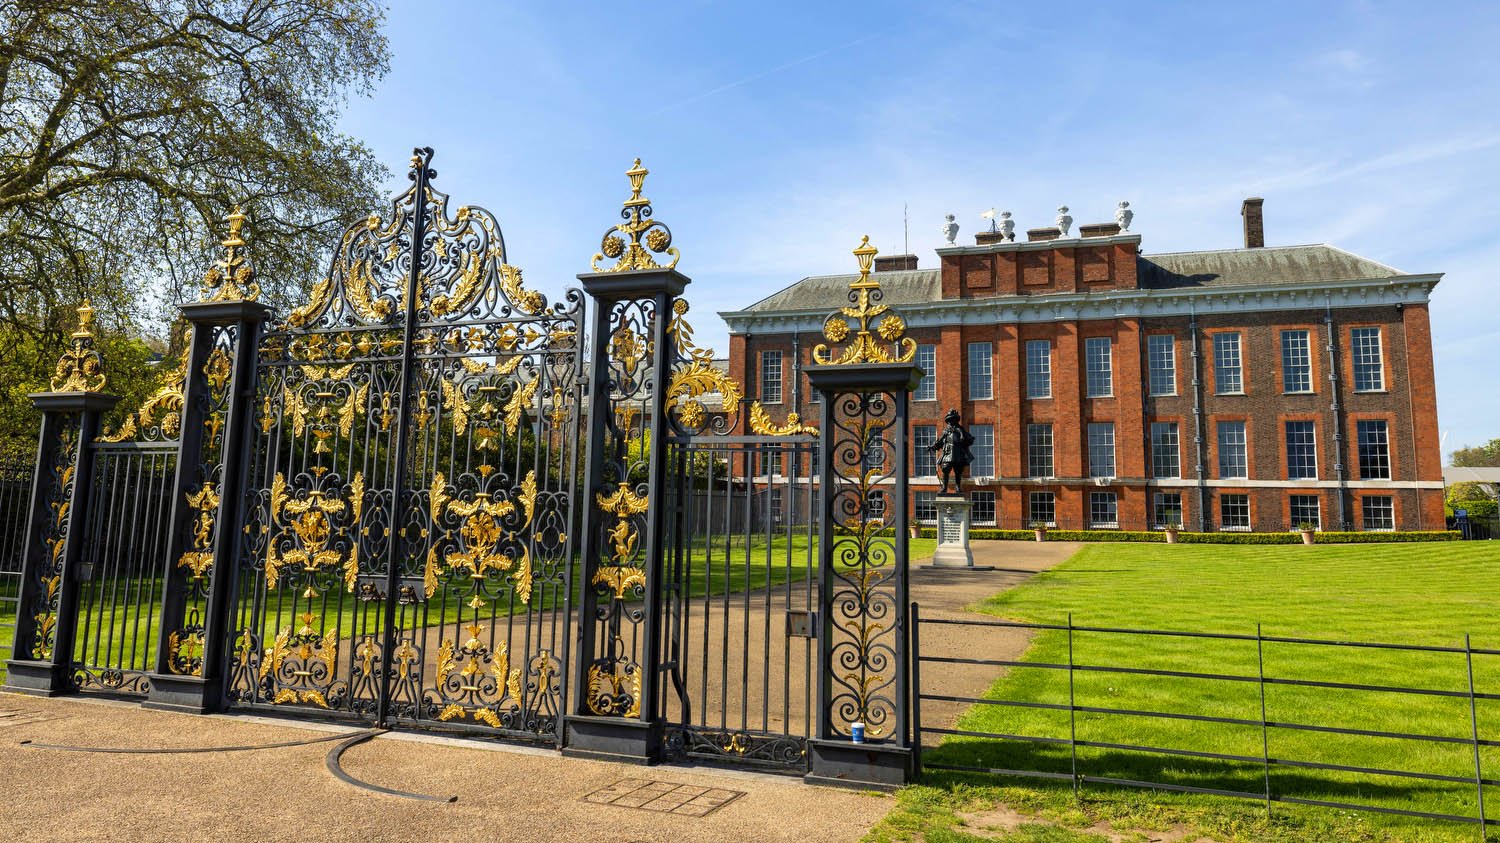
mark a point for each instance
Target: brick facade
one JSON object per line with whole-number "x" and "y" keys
{"x": 1064, "y": 269}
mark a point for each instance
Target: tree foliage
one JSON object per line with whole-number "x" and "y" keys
{"x": 1478, "y": 456}
{"x": 1475, "y": 497}
{"x": 130, "y": 128}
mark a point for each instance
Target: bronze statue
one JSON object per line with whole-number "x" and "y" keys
{"x": 954, "y": 442}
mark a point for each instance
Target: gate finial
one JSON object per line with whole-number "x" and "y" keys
{"x": 866, "y": 294}
{"x": 80, "y": 369}
{"x": 638, "y": 223}
{"x": 231, "y": 278}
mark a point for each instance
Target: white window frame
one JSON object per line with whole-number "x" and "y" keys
{"x": 1161, "y": 359}
{"x": 981, "y": 370}
{"x": 927, "y": 386}
{"x": 1296, "y": 361}
{"x": 769, "y": 358}
{"x": 1099, "y": 367}
{"x": 1038, "y": 368}
{"x": 1228, "y": 358}
{"x": 1367, "y": 356}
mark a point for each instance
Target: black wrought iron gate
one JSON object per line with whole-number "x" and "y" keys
{"x": 407, "y": 544}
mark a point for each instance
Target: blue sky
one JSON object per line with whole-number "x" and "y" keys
{"x": 777, "y": 133}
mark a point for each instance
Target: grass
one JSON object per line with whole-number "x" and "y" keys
{"x": 1410, "y": 594}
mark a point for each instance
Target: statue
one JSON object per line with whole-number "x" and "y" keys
{"x": 1007, "y": 227}
{"x": 1064, "y": 222}
{"x": 954, "y": 442}
{"x": 950, "y": 229}
{"x": 1123, "y": 216}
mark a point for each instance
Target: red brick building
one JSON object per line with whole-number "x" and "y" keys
{"x": 1241, "y": 389}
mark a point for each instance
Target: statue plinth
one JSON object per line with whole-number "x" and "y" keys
{"x": 954, "y": 514}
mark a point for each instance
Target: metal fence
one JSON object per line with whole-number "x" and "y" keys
{"x": 15, "y": 498}
{"x": 1072, "y": 755}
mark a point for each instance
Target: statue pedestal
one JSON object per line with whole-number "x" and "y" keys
{"x": 953, "y": 518}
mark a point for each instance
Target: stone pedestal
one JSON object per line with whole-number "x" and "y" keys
{"x": 953, "y": 518}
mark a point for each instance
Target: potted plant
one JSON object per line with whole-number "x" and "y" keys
{"x": 1039, "y": 528}
{"x": 1171, "y": 532}
{"x": 1307, "y": 530}
{"x": 916, "y": 531}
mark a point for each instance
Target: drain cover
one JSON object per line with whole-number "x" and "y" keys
{"x": 666, "y": 797}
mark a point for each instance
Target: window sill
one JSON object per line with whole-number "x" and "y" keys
{"x": 1299, "y": 392}
{"x": 1371, "y": 391}
{"x": 1230, "y": 394}
{"x": 1109, "y": 395}
{"x": 1161, "y": 395}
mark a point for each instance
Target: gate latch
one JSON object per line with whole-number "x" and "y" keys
{"x": 801, "y": 623}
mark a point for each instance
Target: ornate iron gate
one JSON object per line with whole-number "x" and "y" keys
{"x": 407, "y": 543}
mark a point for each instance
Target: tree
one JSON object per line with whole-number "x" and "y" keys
{"x": 130, "y": 128}
{"x": 1475, "y": 497}
{"x": 1479, "y": 456}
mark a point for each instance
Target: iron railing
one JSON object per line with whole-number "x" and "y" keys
{"x": 15, "y": 498}
{"x": 1198, "y": 769}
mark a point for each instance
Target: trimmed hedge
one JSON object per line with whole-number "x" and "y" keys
{"x": 1208, "y": 538}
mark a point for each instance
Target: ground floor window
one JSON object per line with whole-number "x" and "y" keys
{"x": 984, "y": 507}
{"x": 1042, "y": 508}
{"x": 1379, "y": 512}
{"x": 875, "y": 505}
{"x": 1104, "y": 511}
{"x": 1306, "y": 509}
{"x": 1234, "y": 512}
{"x": 1166, "y": 510}
{"x": 925, "y": 507}
{"x": 778, "y": 505}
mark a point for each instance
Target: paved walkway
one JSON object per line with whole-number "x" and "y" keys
{"x": 503, "y": 793}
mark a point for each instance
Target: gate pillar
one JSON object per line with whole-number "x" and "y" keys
{"x": 217, "y": 401}
{"x": 617, "y": 712}
{"x": 47, "y": 610}
{"x": 862, "y": 737}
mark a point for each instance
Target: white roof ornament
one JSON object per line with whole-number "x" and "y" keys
{"x": 1123, "y": 216}
{"x": 1064, "y": 222}
{"x": 950, "y": 229}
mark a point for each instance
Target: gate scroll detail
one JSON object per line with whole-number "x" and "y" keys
{"x": 407, "y": 542}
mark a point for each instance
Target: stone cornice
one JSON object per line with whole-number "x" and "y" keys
{"x": 1117, "y": 304}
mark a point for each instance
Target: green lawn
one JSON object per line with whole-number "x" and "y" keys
{"x": 1406, "y": 593}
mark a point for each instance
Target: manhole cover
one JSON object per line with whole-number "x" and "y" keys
{"x": 666, "y": 797}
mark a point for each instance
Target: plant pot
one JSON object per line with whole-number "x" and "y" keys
{"x": 1307, "y": 537}
{"x": 1171, "y": 536}
{"x": 916, "y": 532}
{"x": 1041, "y": 535}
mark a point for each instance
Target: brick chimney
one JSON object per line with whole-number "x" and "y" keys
{"x": 1255, "y": 227}
{"x": 892, "y": 263}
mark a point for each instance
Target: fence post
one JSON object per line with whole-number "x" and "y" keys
{"x": 218, "y": 394}
{"x": 1265, "y": 741}
{"x": 616, "y": 713}
{"x": 915, "y": 659}
{"x": 1072, "y": 710}
{"x": 862, "y": 598}
{"x": 47, "y": 608}
{"x": 1474, "y": 732}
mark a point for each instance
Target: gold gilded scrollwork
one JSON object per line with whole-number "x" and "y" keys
{"x": 482, "y": 533}
{"x": 696, "y": 375}
{"x": 761, "y": 424}
{"x": 312, "y": 528}
{"x": 185, "y": 653}
{"x": 638, "y": 226}
{"x": 305, "y": 648}
{"x": 864, "y": 348}
{"x": 231, "y": 278}
{"x": 80, "y": 368}
{"x": 615, "y": 690}
{"x": 472, "y": 683}
{"x": 166, "y": 400}
{"x": 205, "y": 506}
{"x": 623, "y": 503}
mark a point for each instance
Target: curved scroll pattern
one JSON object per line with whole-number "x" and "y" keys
{"x": 414, "y": 451}
{"x": 863, "y": 602}
{"x": 623, "y": 498}
{"x": 59, "y": 496}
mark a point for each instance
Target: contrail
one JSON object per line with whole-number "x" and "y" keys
{"x": 763, "y": 74}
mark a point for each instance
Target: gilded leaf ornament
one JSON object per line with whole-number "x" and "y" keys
{"x": 762, "y": 425}
{"x": 643, "y": 237}
{"x": 165, "y": 402}
{"x": 231, "y": 278}
{"x": 80, "y": 369}
{"x": 865, "y": 293}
